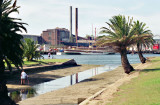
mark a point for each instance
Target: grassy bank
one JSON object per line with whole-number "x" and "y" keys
{"x": 143, "y": 90}
{"x": 41, "y": 62}
{"x": 44, "y": 61}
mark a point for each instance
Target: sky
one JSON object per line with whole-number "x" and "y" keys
{"x": 41, "y": 15}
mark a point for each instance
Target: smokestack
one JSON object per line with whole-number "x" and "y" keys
{"x": 70, "y": 36}
{"x": 76, "y": 23}
{"x": 95, "y": 35}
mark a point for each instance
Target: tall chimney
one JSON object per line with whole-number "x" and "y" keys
{"x": 76, "y": 23}
{"x": 95, "y": 35}
{"x": 70, "y": 36}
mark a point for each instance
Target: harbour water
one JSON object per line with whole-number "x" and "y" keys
{"x": 110, "y": 62}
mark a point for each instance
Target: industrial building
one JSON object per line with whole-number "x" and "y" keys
{"x": 35, "y": 38}
{"x": 55, "y": 36}
{"x": 59, "y": 36}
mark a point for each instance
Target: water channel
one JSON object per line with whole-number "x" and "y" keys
{"x": 110, "y": 62}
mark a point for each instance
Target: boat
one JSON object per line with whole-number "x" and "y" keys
{"x": 109, "y": 53}
{"x": 72, "y": 52}
{"x": 87, "y": 52}
{"x": 97, "y": 53}
{"x": 59, "y": 53}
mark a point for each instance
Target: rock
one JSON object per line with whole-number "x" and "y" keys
{"x": 81, "y": 100}
{"x": 71, "y": 62}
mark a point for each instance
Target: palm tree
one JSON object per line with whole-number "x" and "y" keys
{"x": 10, "y": 45}
{"x": 120, "y": 35}
{"x": 30, "y": 50}
{"x": 141, "y": 30}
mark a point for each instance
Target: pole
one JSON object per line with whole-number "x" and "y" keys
{"x": 70, "y": 36}
{"x": 92, "y": 29}
{"x": 76, "y": 24}
{"x": 95, "y": 35}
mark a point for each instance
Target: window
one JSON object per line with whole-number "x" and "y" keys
{"x": 49, "y": 43}
{"x": 49, "y": 38}
{"x": 49, "y": 33}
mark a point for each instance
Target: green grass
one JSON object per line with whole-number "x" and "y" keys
{"x": 143, "y": 90}
{"x": 42, "y": 62}
{"x": 155, "y": 59}
{"x": 54, "y": 60}
{"x": 30, "y": 63}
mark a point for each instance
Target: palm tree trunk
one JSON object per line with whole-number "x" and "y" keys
{"x": 4, "y": 98}
{"x": 141, "y": 57}
{"x": 3, "y": 88}
{"x": 125, "y": 63}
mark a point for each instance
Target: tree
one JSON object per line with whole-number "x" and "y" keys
{"x": 141, "y": 30}
{"x": 99, "y": 37}
{"x": 10, "y": 44}
{"x": 30, "y": 50}
{"x": 120, "y": 34}
{"x": 90, "y": 37}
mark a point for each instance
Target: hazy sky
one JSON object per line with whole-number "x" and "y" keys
{"x": 49, "y": 14}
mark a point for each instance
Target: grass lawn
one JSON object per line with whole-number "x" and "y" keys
{"x": 143, "y": 90}
{"x": 42, "y": 62}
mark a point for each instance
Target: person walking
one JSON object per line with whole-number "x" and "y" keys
{"x": 24, "y": 76}
{"x": 49, "y": 54}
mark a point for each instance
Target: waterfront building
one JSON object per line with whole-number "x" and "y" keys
{"x": 59, "y": 36}
{"x": 81, "y": 42}
{"x": 35, "y": 38}
{"x": 55, "y": 36}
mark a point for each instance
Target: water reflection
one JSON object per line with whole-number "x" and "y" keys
{"x": 15, "y": 96}
{"x": 22, "y": 94}
{"x": 76, "y": 77}
{"x": 71, "y": 80}
{"x": 58, "y": 83}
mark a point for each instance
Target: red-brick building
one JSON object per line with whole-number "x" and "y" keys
{"x": 55, "y": 36}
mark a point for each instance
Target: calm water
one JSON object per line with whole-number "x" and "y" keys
{"x": 110, "y": 62}
{"x": 101, "y": 59}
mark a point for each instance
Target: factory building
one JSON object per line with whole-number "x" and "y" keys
{"x": 35, "y": 38}
{"x": 55, "y": 36}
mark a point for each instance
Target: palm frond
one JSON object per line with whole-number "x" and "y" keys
{"x": 12, "y": 47}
